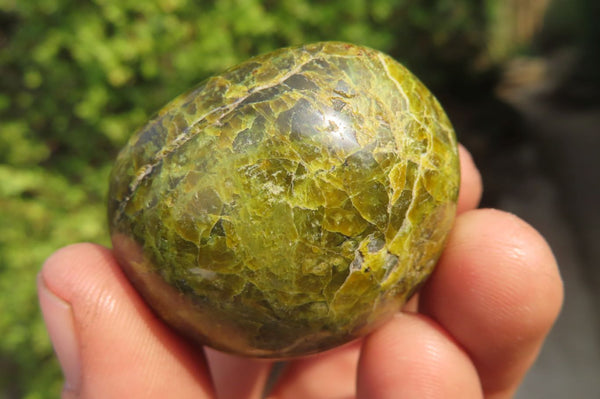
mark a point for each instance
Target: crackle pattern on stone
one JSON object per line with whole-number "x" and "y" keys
{"x": 290, "y": 204}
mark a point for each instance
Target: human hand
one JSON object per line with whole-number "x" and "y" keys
{"x": 473, "y": 331}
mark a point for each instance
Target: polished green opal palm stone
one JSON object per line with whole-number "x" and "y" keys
{"x": 289, "y": 205}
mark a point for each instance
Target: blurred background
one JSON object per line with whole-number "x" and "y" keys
{"x": 520, "y": 80}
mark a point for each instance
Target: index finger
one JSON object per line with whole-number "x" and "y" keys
{"x": 497, "y": 290}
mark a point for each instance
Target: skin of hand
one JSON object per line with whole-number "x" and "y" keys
{"x": 473, "y": 331}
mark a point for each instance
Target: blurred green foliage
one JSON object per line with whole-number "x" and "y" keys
{"x": 78, "y": 77}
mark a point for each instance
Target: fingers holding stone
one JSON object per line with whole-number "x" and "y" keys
{"x": 497, "y": 291}
{"x": 109, "y": 343}
{"x": 413, "y": 357}
{"x": 237, "y": 377}
{"x": 330, "y": 374}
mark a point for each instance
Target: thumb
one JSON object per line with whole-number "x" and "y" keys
{"x": 108, "y": 343}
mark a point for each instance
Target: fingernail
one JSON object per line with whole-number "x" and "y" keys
{"x": 58, "y": 316}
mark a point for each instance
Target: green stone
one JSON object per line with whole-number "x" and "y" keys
{"x": 289, "y": 205}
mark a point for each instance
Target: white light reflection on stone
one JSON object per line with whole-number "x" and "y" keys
{"x": 340, "y": 132}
